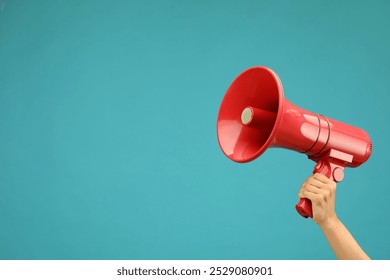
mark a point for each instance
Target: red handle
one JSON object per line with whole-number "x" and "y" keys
{"x": 304, "y": 208}
{"x": 304, "y": 205}
{"x": 332, "y": 166}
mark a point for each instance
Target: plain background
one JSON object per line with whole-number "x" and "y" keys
{"x": 108, "y": 146}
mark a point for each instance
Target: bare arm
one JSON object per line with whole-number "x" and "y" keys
{"x": 322, "y": 193}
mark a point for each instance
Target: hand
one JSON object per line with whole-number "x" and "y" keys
{"x": 321, "y": 191}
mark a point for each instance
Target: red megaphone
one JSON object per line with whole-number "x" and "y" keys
{"x": 254, "y": 116}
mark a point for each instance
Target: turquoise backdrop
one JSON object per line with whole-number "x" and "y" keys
{"x": 108, "y": 109}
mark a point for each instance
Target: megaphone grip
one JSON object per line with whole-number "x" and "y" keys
{"x": 332, "y": 166}
{"x": 304, "y": 208}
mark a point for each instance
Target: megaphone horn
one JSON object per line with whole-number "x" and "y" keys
{"x": 255, "y": 116}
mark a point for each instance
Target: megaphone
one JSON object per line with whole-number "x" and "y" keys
{"x": 254, "y": 116}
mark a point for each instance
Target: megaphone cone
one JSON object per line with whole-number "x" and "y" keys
{"x": 254, "y": 116}
{"x": 250, "y": 114}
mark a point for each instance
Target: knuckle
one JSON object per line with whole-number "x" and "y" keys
{"x": 310, "y": 181}
{"x": 327, "y": 193}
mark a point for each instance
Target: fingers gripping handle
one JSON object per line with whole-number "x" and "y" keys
{"x": 332, "y": 166}
{"x": 304, "y": 207}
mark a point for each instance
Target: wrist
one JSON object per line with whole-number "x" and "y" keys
{"x": 329, "y": 223}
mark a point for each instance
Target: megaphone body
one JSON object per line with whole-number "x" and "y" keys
{"x": 255, "y": 116}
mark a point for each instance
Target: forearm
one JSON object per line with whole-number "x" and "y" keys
{"x": 341, "y": 241}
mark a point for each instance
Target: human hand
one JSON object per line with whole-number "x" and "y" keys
{"x": 321, "y": 191}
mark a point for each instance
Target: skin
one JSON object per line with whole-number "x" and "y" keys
{"x": 322, "y": 193}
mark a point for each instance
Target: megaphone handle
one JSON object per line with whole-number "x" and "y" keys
{"x": 304, "y": 205}
{"x": 304, "y": 208}
{"x": 331, "y": 168}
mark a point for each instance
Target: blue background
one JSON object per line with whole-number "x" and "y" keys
{"x": 108, "y": 109}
